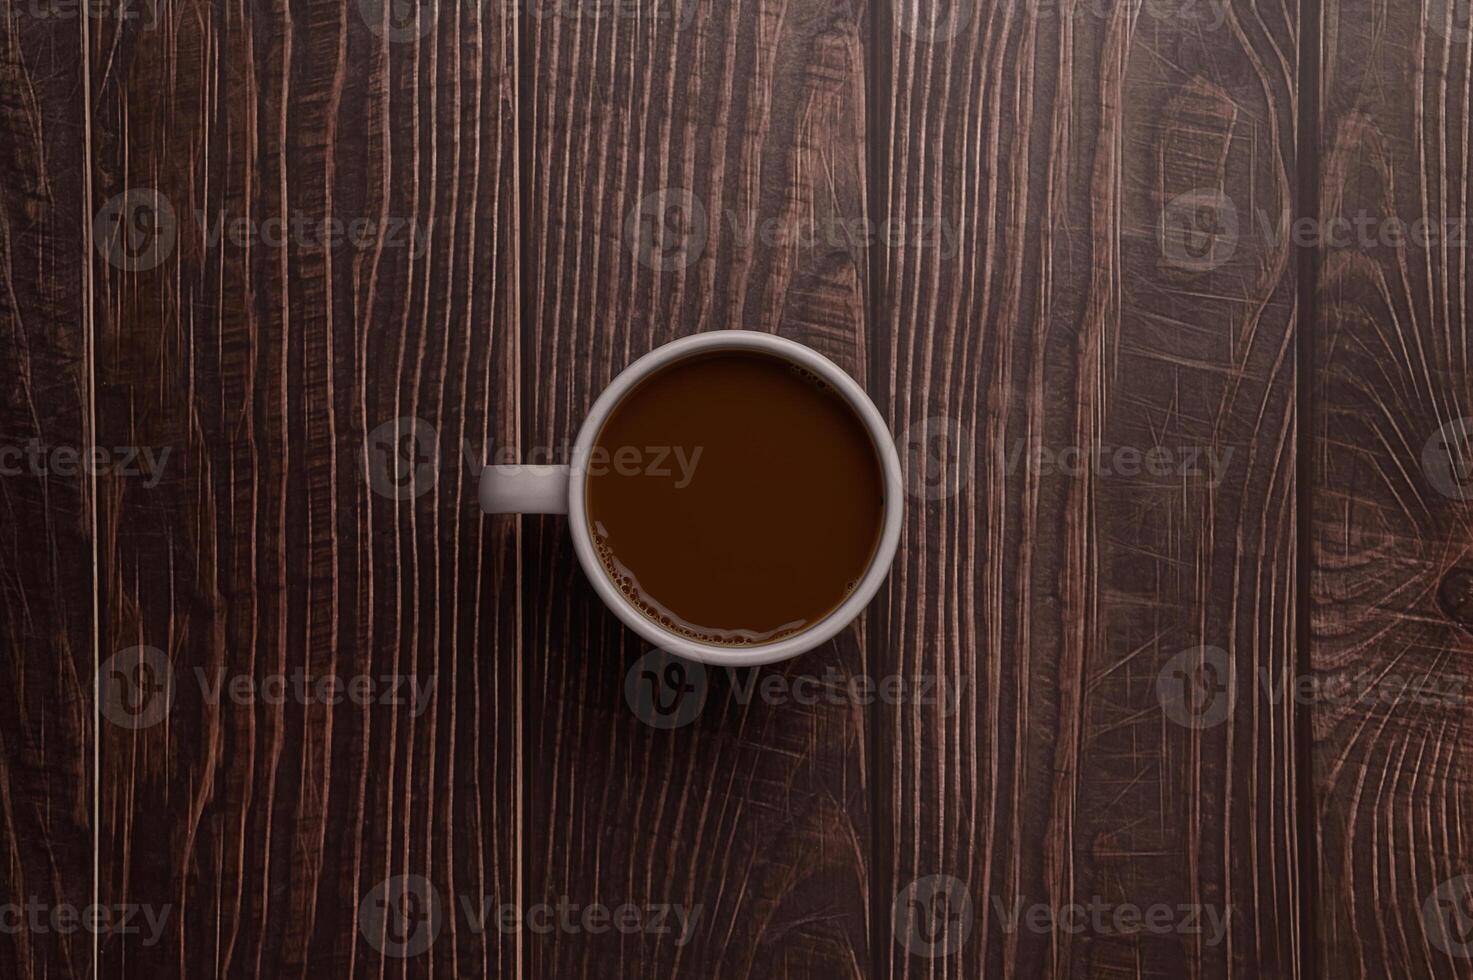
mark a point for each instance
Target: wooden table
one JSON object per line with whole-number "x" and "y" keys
{"x": 1186, "y": 495}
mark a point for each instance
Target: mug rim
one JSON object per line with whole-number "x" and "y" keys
{"x": 875, "y": 573}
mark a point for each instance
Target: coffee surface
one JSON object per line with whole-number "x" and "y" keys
{"x": 734, "y": 497}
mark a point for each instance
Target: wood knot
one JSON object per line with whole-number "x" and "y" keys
{"x": 1455, "y": 596}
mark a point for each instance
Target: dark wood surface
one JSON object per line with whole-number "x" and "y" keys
{"x": 1062, "y": 149}
{"x": 269, "y": 545}
{"x": 1391, "y": 532}
{"x": 686, "y": 177}
{"x": 48, "y": 761}
{"x": 1165, "y": 462}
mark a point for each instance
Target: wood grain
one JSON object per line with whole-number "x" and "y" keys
{"x": 269, "y": 356}
{"x": 1036, "y": 232}
{"x": 1066, "y": 145}
{"x": 47, "y": 616}
{"x": 1390, "y": 496}
{"x": 696, "y": 168}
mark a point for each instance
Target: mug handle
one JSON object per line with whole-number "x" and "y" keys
{"x": 525, "y": 489}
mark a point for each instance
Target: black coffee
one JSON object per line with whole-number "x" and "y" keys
{"x": 735, "y": 498}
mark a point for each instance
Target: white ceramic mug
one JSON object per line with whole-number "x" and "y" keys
{"x": 560, "y": 490}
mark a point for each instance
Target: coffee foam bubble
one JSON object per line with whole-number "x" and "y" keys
{"x": 810, "y": 377}
{"x": 628, "y": 585}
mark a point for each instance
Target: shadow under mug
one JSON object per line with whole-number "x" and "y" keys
{"x": 527, "y": 489}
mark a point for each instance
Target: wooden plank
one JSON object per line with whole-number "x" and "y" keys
{"x": 305, "y": 524}
{"x": 1392, "y": 392}
{"x": 696, "y": 167}
{"x": 47, "y": 666}
{"x": 1089, "y": 158}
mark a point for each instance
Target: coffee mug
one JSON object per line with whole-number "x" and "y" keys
{"x": 533, "y": 489}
